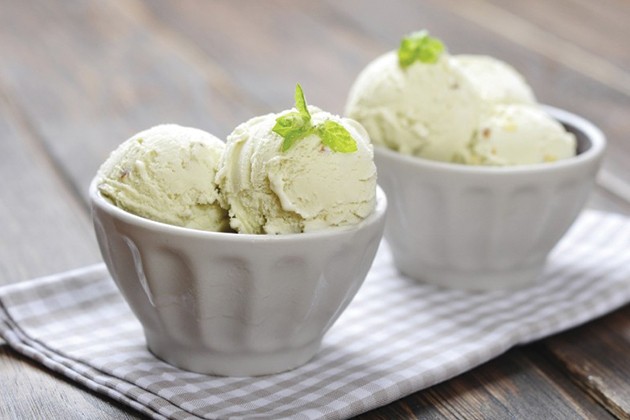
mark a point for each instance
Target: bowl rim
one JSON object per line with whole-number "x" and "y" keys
{"x": 591, "y": 132}
{"x": 98, "y": 201}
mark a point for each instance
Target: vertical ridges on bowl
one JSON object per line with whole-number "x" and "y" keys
{"x": 221, "y": 311}
{"x": 230, "y": 304}
{"x": 483, "y": 227}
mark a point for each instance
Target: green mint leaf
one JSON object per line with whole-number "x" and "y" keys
{"x": 288, "y": 124}
{"x": 336, "y": 137}
{"x": 294, "y": 126}
{"x": 419, "y": 46}
{"x": 300, "y": 102}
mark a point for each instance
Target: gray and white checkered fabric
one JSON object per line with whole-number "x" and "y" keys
{"x": 395, "y": 338}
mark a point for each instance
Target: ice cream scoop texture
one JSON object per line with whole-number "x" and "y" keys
{"x": 300, "y": 170}
{"x": 166, "y": 174}
{"x": 468, "y": 109}
{"x": 303, "y": 188}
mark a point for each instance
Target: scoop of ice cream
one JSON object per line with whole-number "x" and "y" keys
{"x": 426, "y": 109}
{"x": 469, "y": 109}
{"x": 166, "y": 174}
{"x": 307, "y": 187}
{"x": 495, "y": 81}
{"x": 520, "y": 135}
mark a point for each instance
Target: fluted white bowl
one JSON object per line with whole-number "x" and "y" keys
{"x": 479, "y": 227}
{"x": 234, "y": 304}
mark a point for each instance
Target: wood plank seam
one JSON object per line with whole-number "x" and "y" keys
{"x": 34, "y": 141}
{"x": 587, "y": 384}
{"x": 214, "y": 74}
{"x": 547, "y": 44}
{"x": 613, "y": 185}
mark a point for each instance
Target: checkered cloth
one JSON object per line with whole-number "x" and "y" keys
{"x": 395, "y": 338}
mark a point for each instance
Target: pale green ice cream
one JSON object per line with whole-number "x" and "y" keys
{"x": 303, "y": 189}
{"x": 467, "y": 109}
{"x": 521, "y": 134}
{"x": 429, "y": 110}
{"x": 513, "y": 129}
{"x": 495, "y": 81}
{"x": 166, "y": 174}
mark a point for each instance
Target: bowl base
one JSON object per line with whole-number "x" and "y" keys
{"x": 212, "y": 362}
{"x": 513, "y": 278}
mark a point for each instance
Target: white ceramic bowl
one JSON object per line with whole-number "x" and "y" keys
{"x": 479, "y": 227}
{"x": 234, "y": 304}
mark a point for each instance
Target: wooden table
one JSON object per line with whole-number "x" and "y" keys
{"x": 77, "y": 77}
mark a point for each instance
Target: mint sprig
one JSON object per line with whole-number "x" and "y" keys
{"x": 296, "y": 125}
{"x": 292, "y": 127}
{"x": 419, "y": 46}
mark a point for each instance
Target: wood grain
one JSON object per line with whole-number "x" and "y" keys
{"x": 499, "y": 389}
{"x": 99, "y": 76}
{"x": 36, "y": 393}
{"x": 598, "y": 28}
{"x": 45, "y": 228}
{"x": 596, "y": 358}
{"x": 271, "y": 46}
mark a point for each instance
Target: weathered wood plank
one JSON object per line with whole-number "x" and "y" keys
{"x": 269, "y": 46}
{"x": 598, "y": 28}
{"x": 30, "y": 392}
{"x": 45, "y": 229}
{"x": 102, "y": 73}
{"x": 596, "y": 357}
{"x": 604, "y": 200}
{"x": 499, "y": 389}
